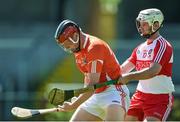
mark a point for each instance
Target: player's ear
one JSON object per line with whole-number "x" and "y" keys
{"x": 156, "y": 25}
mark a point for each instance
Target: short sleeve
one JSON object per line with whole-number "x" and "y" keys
{"x": 133, "y": 57}
{"x": 162, "y": 52}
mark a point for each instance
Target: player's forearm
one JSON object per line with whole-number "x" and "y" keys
{"x": 126, "y": 67}
{"x": 140, "y": 75}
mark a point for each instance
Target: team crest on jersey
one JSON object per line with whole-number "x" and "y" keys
{"x": 138, "y": 52}
{"x": 82, "y": 61}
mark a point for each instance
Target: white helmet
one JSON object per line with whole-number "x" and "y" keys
{"x": 150, "y": 15}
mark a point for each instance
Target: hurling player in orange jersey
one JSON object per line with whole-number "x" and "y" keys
{"x": 153, "y": 61}
{"x": 97, "y": 62}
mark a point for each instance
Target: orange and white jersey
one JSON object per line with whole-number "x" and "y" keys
{"x": 159, "y": 51}
{"x": 97, "y": 57}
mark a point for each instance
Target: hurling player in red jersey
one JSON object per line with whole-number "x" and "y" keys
{"x": 97, "y": 62}
{"x": 153, "y": 61}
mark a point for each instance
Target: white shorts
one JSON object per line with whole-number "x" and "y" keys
{"x": 98, "y": 103}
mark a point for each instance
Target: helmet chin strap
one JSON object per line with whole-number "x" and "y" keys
{"x": 147, "y": 36}
{"x": 77, "y": 49}
{"x": 73, "y": 40}
{"x": 77, "y": 40}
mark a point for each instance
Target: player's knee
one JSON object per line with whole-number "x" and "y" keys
{"x": 118, "y": 113}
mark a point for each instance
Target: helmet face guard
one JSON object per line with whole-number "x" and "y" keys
{"x": 150, "y": 16}
{"x": 143, "y": 35}
{"x": 70, "y": 50}
{"x": 138, "y": 25}
{"x": 65, "y": 31}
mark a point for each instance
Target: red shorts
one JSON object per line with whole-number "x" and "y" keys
{"x": 155, "y": 105}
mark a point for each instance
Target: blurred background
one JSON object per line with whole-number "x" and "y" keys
{"x": 31, "y": 62}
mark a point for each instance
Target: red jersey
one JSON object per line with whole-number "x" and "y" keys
{"x": 159, "y": 51}
{"x": 97, "y": 57}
